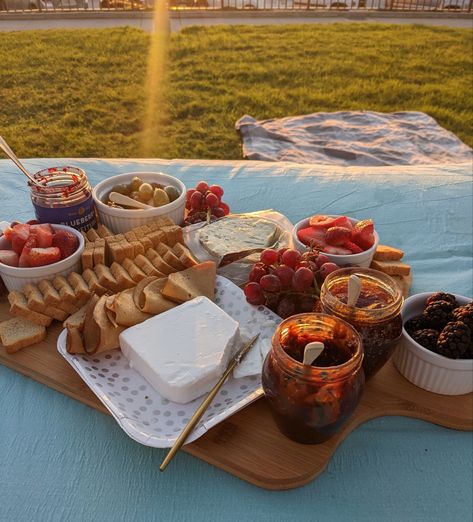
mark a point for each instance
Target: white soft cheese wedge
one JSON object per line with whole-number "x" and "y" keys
{"x": 183, "y": 352}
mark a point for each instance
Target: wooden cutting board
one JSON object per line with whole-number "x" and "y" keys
{"x": 248, "y": 444}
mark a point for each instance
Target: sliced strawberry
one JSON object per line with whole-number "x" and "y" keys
{"x": 337, "y": 236}
{"x": 337, "y": 250}
{"x": 343, "y": 221}
{"x": 44, "y": 233}
{"x": 8, "y": 257}
{"x": 66, "y": 241}
{"x": 320, "y": 221}
{"x": 19, "y": 236}
{"x": 44, "y": 256}
{"x": 311, "y": 236}
{"x": 33, "y": 222}
{"x": 7, "y": 233}
{"x": 363, "y": 234}
{"x": 355, "y": 249}
{"x": 32, "y": 242}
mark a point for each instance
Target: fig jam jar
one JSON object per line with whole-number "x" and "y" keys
{"x": 64, "y": 197}
{"x": 376, "y": 315}
{"x": 310, "y": 403}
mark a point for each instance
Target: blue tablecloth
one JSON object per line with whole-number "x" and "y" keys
{"x": 60, "y": 460}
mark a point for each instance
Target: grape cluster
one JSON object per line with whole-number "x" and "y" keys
{"x": 287, "y": 281}
{"x": 204, "y": 203}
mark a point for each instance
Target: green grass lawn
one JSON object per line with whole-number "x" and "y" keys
{"x": 82, "y": 93}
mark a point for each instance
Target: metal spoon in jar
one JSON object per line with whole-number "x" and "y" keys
{"x": 6, "y": 149}
{"x": 121, "y": 199}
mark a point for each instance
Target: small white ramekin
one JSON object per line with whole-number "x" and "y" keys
{"x": 120, "y": 220}
{"x": 426, "y": 369}
{"x": 15, "y": 278}
{"x": 363, "y": 259}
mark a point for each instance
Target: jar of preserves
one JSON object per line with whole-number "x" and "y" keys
{"x": 310, "y": 403}
{"x": 64, "y": 196}
{"x": 376, "y": 314}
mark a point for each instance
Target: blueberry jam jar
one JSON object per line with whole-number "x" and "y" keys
{"x": 310, "y": 403}
{"x": 376, "y": 315}
{"x": 64, "y": 196}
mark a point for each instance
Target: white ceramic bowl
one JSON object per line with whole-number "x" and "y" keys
{"x": 16, "y": 278}
{"x": 363, "y": 259}
{"x": 119, "y": 220}
{"x": 426, "y": 369}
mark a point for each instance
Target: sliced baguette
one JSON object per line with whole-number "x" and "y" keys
{"x": 18, "y": 333}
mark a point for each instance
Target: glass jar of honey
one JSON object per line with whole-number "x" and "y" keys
{"x": 376, "y": 314}
{"x": 310, "y": 403}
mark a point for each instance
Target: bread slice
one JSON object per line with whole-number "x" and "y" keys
{"x": 193, "y": 282}
{"x": 79, "y": 285}
{"x": 18, "y": 333}
{"x": 173, "y": 234}
{"x": 148, "y": 268}
{"x": 156, "y": 237}
{"x": 387, "y": 253}
{"x": 92, "y": 234}
{"x": 138, "y": 248}
{"x": 65, "y": 290}
{"x": 123, "y": 278}
{"x": 103, "y": 231}
{"x": 93, "y": 283}
{"x": 131, "y": 236}
{"x": 135, "y": 272}
{"x": 162, "y": 221}
{"x": 52, "y": 298}
{"x": 99, "y": 251}
{"x": 36, "y": 303}
{"x": 19, "y": 306}
{"x": 75, "y": 325}
{"x": 106, "y": 278}
{"x": 127, "y": 247}
{"x": 161, "y": 265}
{"x": 391, "y": 267}
{"x": 146, "y": 242}
{"x": 88, "y": 256}
{"x": 166, "y": 252}
{"x": 185, "y": 255}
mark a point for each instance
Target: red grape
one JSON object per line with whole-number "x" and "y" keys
{"x": 225, "y": 207}
{"x": 269, "y": 256}
{"x": 286, "y": 307}
{"x": 189, "y": 194}
{"x": 217, "y": 190}
{"x": 303, "y": 279}
{"x": 257, "y": 272}
{"x": 307, "y": 264}
{"x": 285, "y": 274}
{"x": 202, "y": 187}
{"x": 211, "y": 200}
{"x": 281, "y": 252}
{"x": 270, "y": 283}
{"x": 327, "y": 268}
{"x": 322, "y": 259}
{"x": 291, "y": 258}
{"x": 218, "y": 212}
{"x": 253, "y": 294}
{"x": 196, "y": 201}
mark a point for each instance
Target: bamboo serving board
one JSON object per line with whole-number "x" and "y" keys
{"x": 248, "y": 444}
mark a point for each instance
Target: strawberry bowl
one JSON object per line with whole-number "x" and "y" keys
{"x": 15, "y": 278}
{"x": 339, "y": 254}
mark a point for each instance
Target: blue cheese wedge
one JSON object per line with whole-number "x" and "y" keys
{"x": 183, "y": 352}
{"x": 237, "y": 234}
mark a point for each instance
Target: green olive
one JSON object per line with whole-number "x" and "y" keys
{"x": 146, "y": 191}
{"x": 172, "y": 192}
{"x": 135, "y": 195}
{"x": 136, "y": 183}
{"x": 121, "y": 189}
{"x": 160, "y": 197}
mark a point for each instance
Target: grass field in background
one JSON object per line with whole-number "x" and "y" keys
{"x": 81, "y": 92}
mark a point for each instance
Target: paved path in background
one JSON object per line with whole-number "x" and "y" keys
{"x": 177, "y": 23}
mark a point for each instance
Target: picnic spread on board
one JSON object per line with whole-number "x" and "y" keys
{"x": 158, "y": 286}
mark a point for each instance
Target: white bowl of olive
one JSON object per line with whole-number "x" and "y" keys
{"x": 165, "y": 194}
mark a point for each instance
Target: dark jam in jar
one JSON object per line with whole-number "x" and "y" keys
{"x": 310, "y": 403}
{"x": 376, "y": 315}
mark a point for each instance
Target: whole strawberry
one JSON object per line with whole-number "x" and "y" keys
{"x": 66, "y": 241}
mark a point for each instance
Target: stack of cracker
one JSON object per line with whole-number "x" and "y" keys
{"x": 388, "y": 260}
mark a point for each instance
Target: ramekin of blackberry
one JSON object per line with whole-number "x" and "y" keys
{"x": 436, "y": 351}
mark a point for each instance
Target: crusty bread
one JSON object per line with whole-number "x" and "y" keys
{"x": 19, "y": 307}
{"x": 391, "y": 267}
{"x": 387, "y": 253}
{"x": 18, "y": 333}
{"x": 193, "y": 282}
{"x": 185, "y": 255}
{"x": 123, "y": 278}
{"x": 135, "y": 272}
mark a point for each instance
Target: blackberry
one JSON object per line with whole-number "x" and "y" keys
{"x": 438, "y": 314}
{"x": 454, "y": 341}
{"x": 441, "y": 296}
{"x": 464, "y": 314}
{"x": 416, "y": 323}
{"x": 426, "y": 338}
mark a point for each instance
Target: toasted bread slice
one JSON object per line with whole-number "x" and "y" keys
{"x": 18, "y": 333}
{"x": 106, "y": 278}
{"x": 173, "y": 234}
{"x": 93, "y": 283}
{"x": 185, "y": 255}
{"x": 159, "y": 263}
{"x": 193, "y": 282}
{"x": 148, "y": 268}
{"x": 19, "y": 306}
{"x": 387, "y": 253}
{"x": 36, "y": 303}
{"x": 123, "y": 278}
{"x": 79, "y": 285}
{"x": 135, "y": 272}
{"x": 88, "y": 256}
{"x": 103, "y": 231}
{"x": 391, "y": 267}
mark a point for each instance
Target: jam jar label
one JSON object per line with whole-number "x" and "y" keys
{"x": 81, "y": 216}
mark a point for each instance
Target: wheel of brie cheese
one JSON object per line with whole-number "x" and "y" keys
{"x": 237, "y": 234}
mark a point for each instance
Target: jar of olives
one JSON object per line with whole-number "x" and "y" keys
{"x": 376, "y": 314}
{"x": 310, "y": 403}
